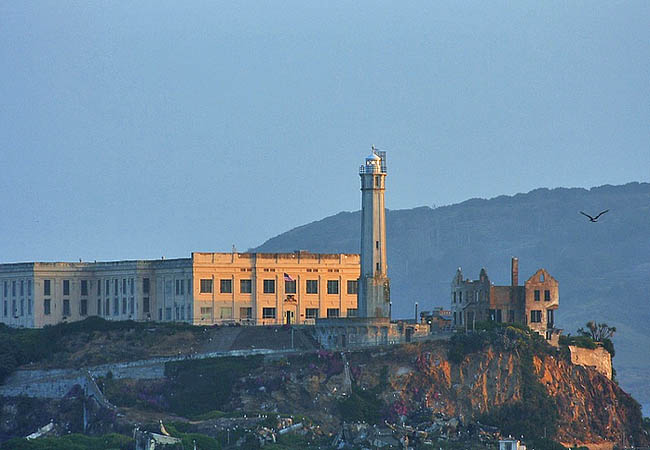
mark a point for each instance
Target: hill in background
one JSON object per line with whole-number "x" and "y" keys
{"x": 603, "y": 268}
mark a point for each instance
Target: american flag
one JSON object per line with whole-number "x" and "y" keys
{"x": 287, "y": 277}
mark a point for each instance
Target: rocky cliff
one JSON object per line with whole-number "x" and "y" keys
{"x": 506, "y": 381}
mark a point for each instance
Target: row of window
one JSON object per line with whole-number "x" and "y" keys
{"x": 84, "y": 285}
{"x": 17, "y": 286}
{"x": 476, "y": 295}
{"x": 14, "y": 308}
{"x": 179, "y": 313}
{"x": 495, "y": 315}
{"x": 269, "y": 313}
{"x": 105, "y": 306}
{"x": 481, "y": 295}
{"x": 290, "y": 287}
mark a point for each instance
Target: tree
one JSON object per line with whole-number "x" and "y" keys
{"x": 599, "y": 332}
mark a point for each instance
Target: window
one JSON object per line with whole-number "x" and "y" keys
{"x": 312, "y": 286}
{"x": 22, "y": 288}
{"x": 226, "y": 312}
{"x": 353, "y": 312}
{"x": 132, "y": 285}
{"x": 107, "y": 309}
{"x": 131, "y": 306}
{"x": 377, "y": 181}
{"x": 84, "y": 287}
{"x": 66, "y": 287}
{"x": 123, "y": 285}
{"x": 377, "y": 267}
{"x": 189, "y": 288}
{"x": 550, "y": 319}
{"x": 536, "y": 295}
{"x": 99, "y": 306}
{"x": 536, "y": 316}
{"x": 245, "y": 313}
{"x": 511, "y": 315}
{"x": 454, "y": 300}
{"x": 311, "y": 313}
{"x": 83, "y": 307}
{"x": 47, "y": 306}
{"x": 178, "y": 287}
{"x": 332, "y": 312}
{"x": 123, "y": 305}
{"x": 29, "y": 288}
{"x": 168, "y": 313}
{"x": 226, "y": 286}
{"x": 332, "y": 286}
{"x": 206, "y": 286}
{"x": 116, "y": 307}
{"x": 99, "y": 287}
{"x": 115, "y": 286}
{"x": 145, "y": 305}
{"x": 353, "y": 287}
{"x": 6, "y": 284}
{"x": 46, "y": 287}
{"x": 14, "y": 308}
{"x": 290, "y": 287}
{"x": 22, "y": 307}
{"x": 206, "y": 312}
{"x": 268, "y": 313}
{"x": 377, "y": 245}
{"x": 245, "y": 286}
{"x": 269, "y": 288}
{"x": 108, "y": 288}
{"x": 13, "y": 288}
{"x": 547, "y": 295}
{"x": 66, "y": 307}
{"x": 145, "y": 285}
{"x": 189, "y": 311}
{"x": 5, "y": 309}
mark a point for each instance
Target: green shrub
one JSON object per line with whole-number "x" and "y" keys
{"x": 72, "y": 442}
{"x": 199, "y": 386}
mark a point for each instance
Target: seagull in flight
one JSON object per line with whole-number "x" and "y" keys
{"x": 594, "y": 219}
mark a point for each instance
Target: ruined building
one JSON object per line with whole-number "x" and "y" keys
{"x": 532, "y": 304}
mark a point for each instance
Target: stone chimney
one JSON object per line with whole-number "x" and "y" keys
{"x": 514, "y": 272}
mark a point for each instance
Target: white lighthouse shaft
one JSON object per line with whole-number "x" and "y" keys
{"x": 374, "y": 288}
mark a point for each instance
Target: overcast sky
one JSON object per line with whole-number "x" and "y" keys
{"x": 142, "y": 129}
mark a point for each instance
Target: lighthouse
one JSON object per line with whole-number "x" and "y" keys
{"x": 374, "y": 286}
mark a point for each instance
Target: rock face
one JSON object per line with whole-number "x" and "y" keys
{"x": 598, "y": 358}
{"x": 421, "y": 379}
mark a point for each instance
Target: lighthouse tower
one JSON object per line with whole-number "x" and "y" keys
{"x": 374, "y": 286}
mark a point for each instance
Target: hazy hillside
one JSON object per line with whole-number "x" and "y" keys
{"x": 603, "y": 268}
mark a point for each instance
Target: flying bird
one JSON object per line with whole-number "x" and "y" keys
{"x": 594, "y": 219}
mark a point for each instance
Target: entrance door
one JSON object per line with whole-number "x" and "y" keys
{"x": 289, "y": 317}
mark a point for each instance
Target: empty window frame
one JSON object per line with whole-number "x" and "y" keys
{"x": 245, "y": 286}
{"x": 332, "y": 286}
{"x": 312, "y": 286}
{"x": 269, "y": 288}
{"x": 206, "y": 286}
{"x": 225, "y": 286}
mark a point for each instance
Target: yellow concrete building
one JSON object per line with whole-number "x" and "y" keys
{"x": 208, "y": 288}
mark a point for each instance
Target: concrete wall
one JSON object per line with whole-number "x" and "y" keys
{"x": 598, "y": 358}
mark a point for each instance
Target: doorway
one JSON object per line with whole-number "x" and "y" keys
{"x": 289, "y": 317}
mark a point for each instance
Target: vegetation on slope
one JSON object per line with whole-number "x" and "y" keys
{"x": 20, "y": 346}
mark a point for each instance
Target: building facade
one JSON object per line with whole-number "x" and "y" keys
{"x": 206, "y": 289}
{"x": 533, "y": 304}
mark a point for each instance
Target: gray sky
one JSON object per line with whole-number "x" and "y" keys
{"x": 142, "y": 129}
